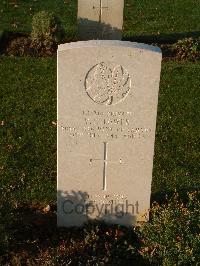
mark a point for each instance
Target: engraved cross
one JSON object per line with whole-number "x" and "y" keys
{"x": 105, "y": 161}
{"x": 101, "y": 7}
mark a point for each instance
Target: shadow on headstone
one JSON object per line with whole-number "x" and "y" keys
{"x": 94, "y": 30}
{"x": 75, "y": 208}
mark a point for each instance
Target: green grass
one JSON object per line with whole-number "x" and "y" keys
{"x": 28, "y": 137}
{"x": 144, "y": 17}
{"x": 17, "y": 15}
{"x": 177, "y": 150}
{"x": 141, "y": 17}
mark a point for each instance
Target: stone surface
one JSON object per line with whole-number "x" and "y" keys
{"x": 100, "y": 19}
{"x": 107, "y": 106}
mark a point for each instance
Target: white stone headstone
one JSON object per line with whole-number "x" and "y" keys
{"x": 100, "y": 19}
{"x": 107, "y": 106}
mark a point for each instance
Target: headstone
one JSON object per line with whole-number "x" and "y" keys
{"x": 107, "y": 105}
{"x": 100, "y": 19}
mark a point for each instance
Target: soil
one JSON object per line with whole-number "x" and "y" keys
{"x": 17, "y": 44}
{"x": 34, "y": 239}
{"x": 21, "y": 45}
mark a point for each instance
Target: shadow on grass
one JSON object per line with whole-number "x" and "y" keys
{"x": 30, "y": 235}
{"x": 162, "y": 38}
{"x": 162, "y": 197}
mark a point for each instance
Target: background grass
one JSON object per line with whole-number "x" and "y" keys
{"x": 17, "y": 15}
{"x": 28, "y": 136}
{"x": 144, "y": 17}
{"x": 141, "y": 17}
{"x": 177, "y": 140}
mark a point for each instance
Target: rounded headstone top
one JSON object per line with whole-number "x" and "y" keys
{"x": 104, "y": 43}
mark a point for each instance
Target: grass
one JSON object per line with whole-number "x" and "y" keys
{"x": 17, "y": 15}
{"x": 177, "y": 148}
{"x": 28, "y": 136}
{"x": 143, "y": 17}
{"x": 160, "y": 19}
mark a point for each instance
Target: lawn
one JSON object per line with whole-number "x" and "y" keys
{"x": 155, "y": 19}
{"x": 165, "y": 17}
{"x": 28, "y": 136}
{"x": 177, "y": 139}
{"x": 17, "y": 15}
{"x": 28, "y": 131}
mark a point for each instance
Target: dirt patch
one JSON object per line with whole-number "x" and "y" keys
{"x": 22, "y": 46}
{"x": 34, "y": 239}
{"x": 17, "y": 44}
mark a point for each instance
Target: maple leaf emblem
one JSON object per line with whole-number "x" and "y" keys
{"x": 107, "y": 85}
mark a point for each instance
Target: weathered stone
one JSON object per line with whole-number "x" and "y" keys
{"x": 100, "y": 19}
{"x": 107, "y": 105}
